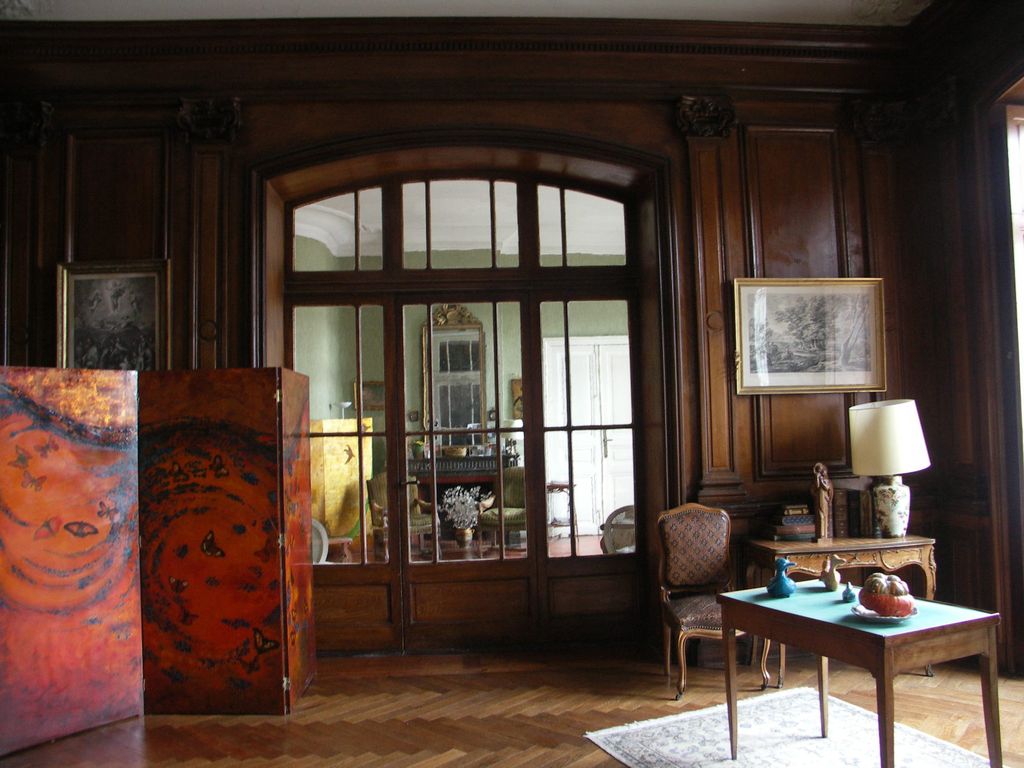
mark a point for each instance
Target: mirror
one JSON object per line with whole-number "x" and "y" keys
{"x": 453, "y": 372}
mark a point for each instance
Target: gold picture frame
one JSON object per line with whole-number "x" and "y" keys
{"x": 112, "y": 315}
{"x": 809, "y": 335}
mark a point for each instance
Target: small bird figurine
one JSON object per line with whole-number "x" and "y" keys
{"x": 848, "y": 596}
{"x": 831, "y": 576}
{"x": 781, "y": 585}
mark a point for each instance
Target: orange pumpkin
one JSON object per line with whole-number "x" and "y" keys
{"x": 887, "y": 595}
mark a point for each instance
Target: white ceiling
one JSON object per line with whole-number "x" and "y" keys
{"x": 841, "y": 12}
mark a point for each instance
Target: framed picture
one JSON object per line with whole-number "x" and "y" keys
{"x": 811, "y": 335}
{"x": 373, "y": 396}
{"x": 112, "y": 316}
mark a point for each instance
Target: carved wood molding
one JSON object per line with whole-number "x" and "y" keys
{"x": 903, "y": 119}
{"x": 705, "y": 116}
{"x": 25, "y": 123}
{"x": 453, "y": 315}
{"x": 210, "y": 119}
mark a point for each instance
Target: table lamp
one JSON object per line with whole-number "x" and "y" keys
{"x": 886, "y": 441}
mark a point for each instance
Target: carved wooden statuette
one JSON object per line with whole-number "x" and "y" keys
{"x": 821, "y": 494}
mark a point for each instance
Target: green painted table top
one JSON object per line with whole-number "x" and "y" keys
{"x": 813, "y": 601}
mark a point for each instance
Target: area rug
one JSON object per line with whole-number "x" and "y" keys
{"x": 775, "y": 729}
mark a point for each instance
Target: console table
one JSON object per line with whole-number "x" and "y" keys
{"x": 820, "y": 622}
{"x": 810, "y": 557}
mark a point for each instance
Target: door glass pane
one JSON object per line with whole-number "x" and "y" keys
{"x": 372, "y": 393}
{"x": 558, "y": 493}
{"x": 599, "y": 363}
{"x": 552, "y": 322}
{"x": 414, "y": 225}
{"x": 595, "y": 230}
{"x": 549, "y": 221}
{"x": 506, "y": 223}
{"x": 345, "y": 451}
{"x": 333, "y": 234}
{"x": 371, "y": 230}
{"x": 460, "y": 224}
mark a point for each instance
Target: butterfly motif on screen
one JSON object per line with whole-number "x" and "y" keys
{"x": 263, "y": 643}
{"x": 178, "y": 585}
{"x": 178, "y": 473}
{"x": 217, "y": 465}
{"x": 43, "y": 449}
{"x": 105, "y": 511}
{"x": 28, "y": 481}
{"x": 81, "y": 529}
{"x": 209, "y": 546}
{"x": 21, "y": 462}
{"x": 48, "y": 529}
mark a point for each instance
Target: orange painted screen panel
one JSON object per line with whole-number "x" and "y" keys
{"x": 70, "y": 635}
{"x": 216, "y": 628}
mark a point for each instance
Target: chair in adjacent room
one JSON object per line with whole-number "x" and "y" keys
{"x": 618, "y": 532}
{"x": 421, "y": 514}
{"x": 694, "y": 567}
{"x": 513, "y": 499}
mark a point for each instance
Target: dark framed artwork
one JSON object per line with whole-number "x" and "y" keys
{"x": 373, "y": 396}
{"x": 809, "y": 335}
{"x": 112, "y": 316}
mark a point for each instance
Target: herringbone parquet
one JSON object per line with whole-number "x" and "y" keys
{"x": 503, "y": 710}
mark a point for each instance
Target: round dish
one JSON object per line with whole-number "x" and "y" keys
{"x": 868, "y": 615}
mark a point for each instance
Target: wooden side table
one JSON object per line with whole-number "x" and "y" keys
{"x": 820, "y": 622}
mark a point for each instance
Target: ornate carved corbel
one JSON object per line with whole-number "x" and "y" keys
{"x": 903, "y": 119}
{"x": 705, "y": 116}
{"x": 210, "y": 119}
{"x": 24, "y": 122}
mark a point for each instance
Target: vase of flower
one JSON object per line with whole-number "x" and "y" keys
{"x": 461, "y": 508}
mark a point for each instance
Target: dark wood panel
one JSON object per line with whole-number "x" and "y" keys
{"x": 713, "y": 164}
{"x": 470, "y": 601}
{"x": 593, "y": 595}
{"x": 799, "y": 430}
{"x": 116, "y": 196}
{"x": 17, "y": 246}
{"x": 794, "y": 203}
{"x": 207, "y": 246}
{"x": 350, "y": 604}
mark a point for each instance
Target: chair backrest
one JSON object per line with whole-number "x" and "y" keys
{"x": 514, "y": 488}
{"x": 377, "y": 495}
{"x": 618, "y": 534}
{"x": 694, "y": 543}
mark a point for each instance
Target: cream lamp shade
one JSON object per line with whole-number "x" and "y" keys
{"x": 886, "y": 441}
{"x": 886, "y": 438}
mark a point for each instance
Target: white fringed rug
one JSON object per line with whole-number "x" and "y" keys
{"x": 775, "y": 729}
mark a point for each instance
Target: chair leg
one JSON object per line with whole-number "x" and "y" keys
{"x": 766, "y": 645}
{"x": 681, "y": 651}
{"x": 782, "y": 664}
{"x": 666, "y": 642}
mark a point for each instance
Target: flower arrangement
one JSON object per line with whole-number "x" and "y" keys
{"x": 462, "y": 506}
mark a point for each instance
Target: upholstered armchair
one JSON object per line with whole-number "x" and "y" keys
{"x": 694, "y": 567}
{"x": 514, "y": 502}
{"x": 420, "y": 514}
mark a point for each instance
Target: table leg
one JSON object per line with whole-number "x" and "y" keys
{"x": 823, "y": 694}
{"x": 886, "y": 712}
{"x": 729, "y": 636}
{"x": 990, "y": 700}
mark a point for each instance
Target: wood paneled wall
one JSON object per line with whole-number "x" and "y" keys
{"x": 158, "y": 133}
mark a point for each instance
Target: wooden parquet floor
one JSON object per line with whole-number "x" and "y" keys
{"x": 509, "y": 710}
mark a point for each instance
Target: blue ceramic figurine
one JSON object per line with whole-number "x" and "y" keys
{"x": 848, "y": 596}
{"x": 781, "y": 585}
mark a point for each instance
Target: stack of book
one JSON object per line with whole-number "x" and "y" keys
{"x": 793, "y": 523}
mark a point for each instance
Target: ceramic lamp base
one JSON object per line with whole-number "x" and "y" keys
{"x": 892, "y": 506}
